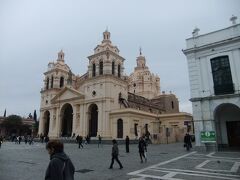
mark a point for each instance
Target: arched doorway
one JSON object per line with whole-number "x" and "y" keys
{"x": 46, "y": 121}
{"x": 67, "y": 120}
{"x": 93, "y": 120}
{"x": 119, "y": 128}
{"x": 227, "y": 119}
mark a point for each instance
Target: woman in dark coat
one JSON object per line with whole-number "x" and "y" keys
{"x": 187, "y": 141}
{"x": 60, "y": 166}
{"x": 127, "y": 144}
{"x": 142, "y": 148}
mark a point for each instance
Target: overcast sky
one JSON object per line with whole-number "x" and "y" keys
{"x": 33, "y": 32}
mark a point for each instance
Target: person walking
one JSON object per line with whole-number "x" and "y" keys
{"x": 115, "y": 153}
{"x": 60, "y": 166}
{"x": 99, "y": 140}
{"x": 41, "y": 138}
{"x": 80, "y": 140}
{"x": 19, "y": 139}
{"x": 88, "y": 139}
{"x": 25, "y": 139}
{"x": 1, "y": 141}
{"x": 46, "y": 139}
{"x": 142, "y": 148}
{"x": 127, "y": 144}
{"x": 187, "y": 141}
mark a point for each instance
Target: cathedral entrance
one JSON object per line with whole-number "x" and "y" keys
{"x": 227, "y": 119}
{"x": 233, "y": 132}
{"x": 67, "y": 120}
{"x": 120, "y": 128}
{"x": 93, "y": 120}
{"x": 46, "y": 121}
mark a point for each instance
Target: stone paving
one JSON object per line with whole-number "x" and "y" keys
{"x": 170, "y": 162}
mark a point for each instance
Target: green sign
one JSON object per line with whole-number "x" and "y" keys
{"x": 208, "y": 136}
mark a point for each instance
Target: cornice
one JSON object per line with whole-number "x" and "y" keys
{"x": 105, "y": 77}
{"x": 55, "y": 69}
{"x": 104, "y": 53}
{"x": 214, "y": 97}
{"x": 211, "y": 45}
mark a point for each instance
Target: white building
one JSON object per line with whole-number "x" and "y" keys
{"x": 214, "y": 73}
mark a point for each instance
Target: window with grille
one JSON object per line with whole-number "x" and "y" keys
{"x": 222, "y": 77}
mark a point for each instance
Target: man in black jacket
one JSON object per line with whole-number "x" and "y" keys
{"x": 60, "y": 166}
{"x": 115, "y": 153}
{"x": 187, "y": 141}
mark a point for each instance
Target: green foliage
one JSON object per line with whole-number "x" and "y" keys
{"x": 14, "y": 124}
{"x": 35, "y": 125}
{"x": 35, "y": 115}
{"x": 12, "y": 121}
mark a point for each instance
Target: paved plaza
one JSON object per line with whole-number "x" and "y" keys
{"x": 170, "y": 162}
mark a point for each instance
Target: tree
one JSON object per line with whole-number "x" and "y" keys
{"x": 12, "y": 123}
{"x": 5, "y": 113}
{"x": 35, "y": 115}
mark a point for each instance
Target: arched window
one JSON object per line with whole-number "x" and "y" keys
{"x": 101, "y": 68}
{"x": 119, "y": 128}
{"x": 47, "y": 83}
{"x": 119, "y": 70}
{"x": 52, "y": 82}
{"x": 61, "y": 82}
{"x": 172, "y": 105}
{"x": 146, "y": 129}
{"x": 222, "y": 77}
{"x": 93, "y": 70}
{"x": 113, "y": 67}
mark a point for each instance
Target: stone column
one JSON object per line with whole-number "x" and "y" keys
{"x": 97, "y": 69}
{"x": 90, "y": 71}
{"x": 100, "y": 120}
{"x": 198, "y": 122}
{"x": 58, "y": 122}
{"x": 106, "y": 119}
{"x": 50, "y": 132}
{"x": 81, "y": 120}
{"x": 74, "y": 118}
{"x": 84, "y": 119}
{"x": 41, "y": 123}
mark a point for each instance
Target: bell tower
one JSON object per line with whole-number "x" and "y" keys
{"x": 106, "y": 59}
{"x": 61, "y": 56}
{"x": 106, "y": 37}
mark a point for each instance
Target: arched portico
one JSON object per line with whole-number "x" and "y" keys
{"x": 66, "y": 120}
{"x": 227, "y": 120}
{"x": 46, "y": 120}
{"x": 93, "y": 120}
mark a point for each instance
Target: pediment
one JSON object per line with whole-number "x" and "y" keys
{"x": 67, "y": 93}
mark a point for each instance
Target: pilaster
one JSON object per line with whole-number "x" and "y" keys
{"x": 41, "y": 123}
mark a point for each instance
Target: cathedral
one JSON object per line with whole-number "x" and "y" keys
{"x": 106, "y": 102}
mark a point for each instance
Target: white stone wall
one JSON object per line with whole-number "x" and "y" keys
{"x": 200, "y": 50}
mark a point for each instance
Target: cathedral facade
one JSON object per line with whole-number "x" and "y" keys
{"x": 105, "y": 102}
